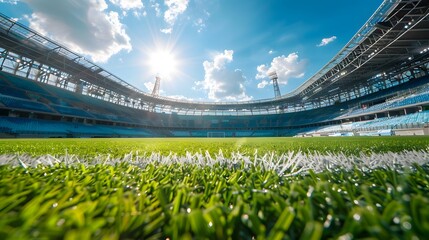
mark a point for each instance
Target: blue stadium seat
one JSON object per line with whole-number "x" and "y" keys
{"x": 16, "y": 103}
{"x": 14, "y": 92}
{"x": 70, "y": 111}
{"x": 29, "y": 85}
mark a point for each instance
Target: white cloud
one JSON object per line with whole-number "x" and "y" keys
{"x": 83, "y": 26}
{"x": 155, "y": 5}
{"x": 326, "y": 41}
{"x": 138, "y": 14}
{"x": 199, "y": 23}
{"x": 128, "y": 4}
{"x": 9, "y": 1}
{"x": 263, "y": 84}
{"x": 174, "y": 9}
{"x": 149, "y": 86}
{"x": 271, "y": 52}
{"x": 171, "y": 10}
{"x": 286, "y": 67}
{"x": 222, "y": 83}
{"x": 166, "y": 30}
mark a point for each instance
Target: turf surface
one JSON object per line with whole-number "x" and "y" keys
{"x": 120, "y": 147}
{"x": 186, "y": 201}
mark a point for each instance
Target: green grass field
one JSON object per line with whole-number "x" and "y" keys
{"x": 264, "y": 188}
{"x": 120, "y": 147}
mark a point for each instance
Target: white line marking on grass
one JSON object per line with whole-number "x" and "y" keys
{"x": 286, "y": 164}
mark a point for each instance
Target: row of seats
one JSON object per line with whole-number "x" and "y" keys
{"x": 16, "y": 103}
{"x": 48, "y": 128}
{"x": 14, "y": 92}
{"x": 69, "y": 111}
{"x": 410, "y": 100}
{"x": 415, "y": 120}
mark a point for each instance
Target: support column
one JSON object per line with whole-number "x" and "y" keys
{"x": 274, "y": 78}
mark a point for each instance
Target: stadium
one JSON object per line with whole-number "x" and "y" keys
{"x": 85, "y": 154}
{"x": 376, "y": 85}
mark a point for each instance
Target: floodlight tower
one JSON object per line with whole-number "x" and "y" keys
{"x": 273, "y": 77}
{"x": 155, "y": 91}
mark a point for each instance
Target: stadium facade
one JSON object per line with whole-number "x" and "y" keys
{"x": 377, "y": 84}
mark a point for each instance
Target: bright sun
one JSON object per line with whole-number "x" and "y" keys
{"x": 163, "y": 63}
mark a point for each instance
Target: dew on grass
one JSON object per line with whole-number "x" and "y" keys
{"x": 356, "y": 217}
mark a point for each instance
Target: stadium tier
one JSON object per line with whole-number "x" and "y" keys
{"x": 377, "y": 82}
{"x": 411, "y": 124}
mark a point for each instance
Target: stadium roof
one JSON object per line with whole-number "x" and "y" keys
{"x": 395, "y": 36}
{"x": 396, "y": 33}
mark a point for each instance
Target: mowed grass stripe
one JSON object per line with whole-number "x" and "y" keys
{"x": 119, "y": 147}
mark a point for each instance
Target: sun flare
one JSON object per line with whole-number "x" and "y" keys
{"x": 163, "y": 63}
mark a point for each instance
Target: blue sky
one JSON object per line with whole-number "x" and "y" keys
{"x": 206, "y": 50}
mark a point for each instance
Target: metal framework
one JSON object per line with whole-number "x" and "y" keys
{"x": 391, "y": 48}
{"x": 274, "y": 78}
{"x": 155, "y": 91}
